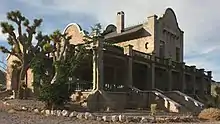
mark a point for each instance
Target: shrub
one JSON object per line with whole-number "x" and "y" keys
{"x": 210, "y": 114}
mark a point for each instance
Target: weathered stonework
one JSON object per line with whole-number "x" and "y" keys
{"x": 133, "y": 67}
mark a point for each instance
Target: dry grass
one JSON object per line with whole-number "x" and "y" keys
{"x": 210, "y": 114}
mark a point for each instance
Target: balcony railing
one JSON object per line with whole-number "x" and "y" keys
{"x": 161, "y": 60}
{"x": 141, "y": 54}
{"x": 82, "y": 86}
{"x": 114, "y": 87}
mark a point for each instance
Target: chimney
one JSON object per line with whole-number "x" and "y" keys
{"x": 120, "y": 21}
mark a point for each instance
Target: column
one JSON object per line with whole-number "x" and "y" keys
{"x": 203, "y": 90}
{"x": 98, "y": 73}
{"x": 94, "y": 67}
{"x": 128, "y": 51}
{"x": 183, "y": 77}
{"x": 193, "y": 74}
{"x": 210, "y": 81}
{"x": 170, "y": 78}
{"x": 153, "y": 70}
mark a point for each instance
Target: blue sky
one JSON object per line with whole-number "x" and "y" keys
{"x": 198, "y": 18}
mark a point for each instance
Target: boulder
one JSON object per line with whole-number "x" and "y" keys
{"x": 24, "y": 108}
{"x": 121, "y": 118}
{"x": 88, "y": 116}
{"x": 47, "y": 112}
{"x": 65, "y": 113}
{"x": 73, "y": 114}
{"x": 42, "y": 111}
{"x": 98, "y": 118}
{"x": 80, "y": 116}
{"x": 36, "y": 111}
{"x": 115, "y": 118}
{"x": 210, "y": 114}
{"x": 53, "y": 112}
{"x": 144, "y": 120}
{"x": 106, "y": 118}
{"x": 11, "y": 111}
{"x": 58, "y": 112}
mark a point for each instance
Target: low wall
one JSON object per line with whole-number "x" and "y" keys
{"x": 188, "y": 102}
{"x": 4, "y": 94}
{"x": 101, "y": 100}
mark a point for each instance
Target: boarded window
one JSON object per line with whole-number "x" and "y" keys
{"x": 162, "y": 49}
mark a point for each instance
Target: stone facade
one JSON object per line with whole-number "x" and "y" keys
{"x": 146, "y": 58}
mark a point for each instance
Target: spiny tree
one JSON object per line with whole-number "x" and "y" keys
{"x": 54, "y": 81}
{"x": 21, "y": 35}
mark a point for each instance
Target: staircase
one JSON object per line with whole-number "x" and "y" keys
{"x": 191, "y": 104}
{"x": 156, "y": 97}
{"x": 172, "y": 101}
{"x": 133, "y": 98}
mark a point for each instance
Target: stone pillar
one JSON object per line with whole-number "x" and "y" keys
{"x": 203, "y": 90}
{"x": 210, "y": 81}
{"x": 183, "y": 77}
{"x": 128, "y": 50}
{"x": 209, "y": 74}
{"x": 153, "y": 71}
{"x": 94, "y": 67}
{"x": 169, "y": 72}
{"x": 98, "y": 73}
{"x": 194, "y": 79}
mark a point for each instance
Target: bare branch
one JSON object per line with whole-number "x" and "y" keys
{"x": 5, "y": 50}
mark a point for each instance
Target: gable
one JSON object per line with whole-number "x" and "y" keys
{"x": 169, "y": 20}
{"x": 75, "y": 31}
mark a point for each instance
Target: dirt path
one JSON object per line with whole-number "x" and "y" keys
{"x": 25, "y": 117}
{"x": 30, "y": 118}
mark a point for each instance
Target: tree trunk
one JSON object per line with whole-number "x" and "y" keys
{"x": 21, "y": 83}
{"x": 54, "y": 78}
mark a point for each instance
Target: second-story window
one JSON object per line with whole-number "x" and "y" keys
{"x": 162, "y": 49}
{"x": 177, "y": 54}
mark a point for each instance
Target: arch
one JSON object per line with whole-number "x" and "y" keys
{"x": 75, "y": 25}
{"x": 170, "y": 16}
{"x": 110, "y": 28}
{"x": 75, "y": 31}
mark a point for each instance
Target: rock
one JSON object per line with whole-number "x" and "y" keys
{"x": 210, "y": 114}
{"x": 11, "y": 97}
{"x": 6, "y": 103}
{"x": 121, "y": 118}
{"x": 79, "y": 116}
{"x": 128, "y": 119}
{"x": 11, "y": 111}
{"x": 134, "y": 119}
{"x": 42, "y": 111}
{"x": 65, "y": 113}
{"x": 47, "y": 112}
{"x": 73, "y": 114}
{"x": 36, "y": 111}
{"x": 176, "y": 119}
{"x": 106, "y": 118}
{"x": 98, "y": 118}
{"x": 24, "y": 108}
{"x": 58, "y": 112}
{"x": 144, "y": 120}
{"x": 115, "y": 118}
{"x": 88, "y": 115}
{"x": 53, "y": 112}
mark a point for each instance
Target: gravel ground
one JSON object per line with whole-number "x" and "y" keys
{"x": 24, "y": 117}
{"x": 30, "y": 118}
